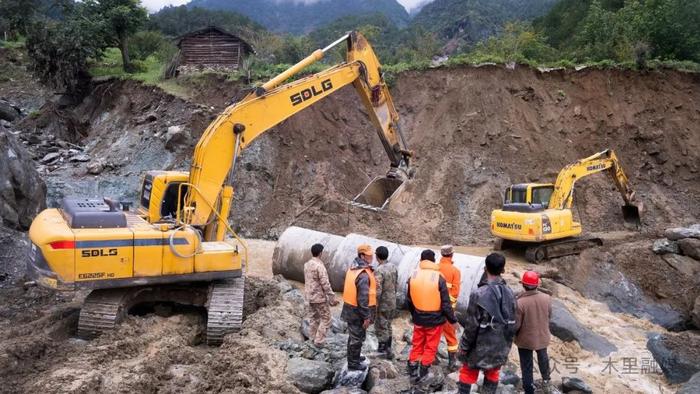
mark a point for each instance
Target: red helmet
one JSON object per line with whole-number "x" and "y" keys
{"x": 530, "y": 278}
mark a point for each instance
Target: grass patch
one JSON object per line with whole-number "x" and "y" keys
{"x": 149, "y": 70}
{"x": 16, "y": 44}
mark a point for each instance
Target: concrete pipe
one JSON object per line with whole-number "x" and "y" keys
{"x": 293, "y": 249}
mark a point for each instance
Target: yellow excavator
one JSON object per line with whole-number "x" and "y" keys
{"x": 539, "y": 216}
{"x": 178, "y": 245}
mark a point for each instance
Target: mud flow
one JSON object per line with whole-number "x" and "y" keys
{"x": 379, "y": 193}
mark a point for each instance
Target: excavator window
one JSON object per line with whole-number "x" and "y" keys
{"x": 541, "y": 195}
{"x": 168, "y": 208}
{"x": 518, "y": 195}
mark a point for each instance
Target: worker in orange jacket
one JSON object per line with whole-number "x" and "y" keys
{"x": 453, "y": 278}
{"x": 428, "y": 300}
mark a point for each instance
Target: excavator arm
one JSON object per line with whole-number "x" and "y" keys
{"x": 237, "y": 127}
{"x": 563, "y": 195}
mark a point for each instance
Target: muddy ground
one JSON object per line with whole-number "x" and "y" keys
{"x": 473, "y": 130}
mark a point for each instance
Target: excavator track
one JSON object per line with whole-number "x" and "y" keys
{"x": 224, "y": 309}
{"x": 102, "y": 311}
{"x": 560, "y": 248}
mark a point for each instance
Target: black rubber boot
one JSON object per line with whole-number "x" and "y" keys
{"x": 388, "y": 352}
{"x": 423, "y": 371}
{"x": 412, "y": 369}
{"x": 381, "y": 348}
{"x": 489, "y": 387}
{"x": 464, "y": 388}
{"x": 452, "y": 361}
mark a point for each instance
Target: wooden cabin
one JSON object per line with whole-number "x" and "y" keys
{"x": 210, "y": 48}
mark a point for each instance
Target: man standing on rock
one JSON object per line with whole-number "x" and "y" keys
{"x": 533, "y": 312}
{"x": 489, "y": 328}
{"x": 454, "y": 279}
{"x": 428, "y": 300}
{"x": 319, "y": 295}
{"x": 359, "y": 303}
{"x": 387, "y": 276}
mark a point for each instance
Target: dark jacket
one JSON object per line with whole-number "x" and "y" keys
{"x": 357, "y": 314}
{"x": 489, "y": 326}
{"x": 532, "y": 320}
{"x": 432, "y": 319}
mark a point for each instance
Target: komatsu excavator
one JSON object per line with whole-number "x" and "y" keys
{"x": 539, "y": 216}
{"x": 178, "y": 245}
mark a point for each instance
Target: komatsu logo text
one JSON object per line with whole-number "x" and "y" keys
{"x": 596, "y": 167}
{"x": 509, "y": 226}
{"x": 313, "y": 91}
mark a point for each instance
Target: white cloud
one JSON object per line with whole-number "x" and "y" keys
{"x": 155, "y": 5}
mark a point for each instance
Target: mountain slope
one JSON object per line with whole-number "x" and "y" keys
{"x": 298, "y": 17}
{"x": 471, "y": 21}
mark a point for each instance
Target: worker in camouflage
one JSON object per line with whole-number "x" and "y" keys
{"x": 319, "y": 295}
{"x": 386, "y": 276}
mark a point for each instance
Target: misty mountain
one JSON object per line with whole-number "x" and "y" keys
{"x": 466, "y": 22}
{"x": 303, "y": 16}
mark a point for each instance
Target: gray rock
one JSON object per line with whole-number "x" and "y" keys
{"x": 683, "y": 264}
{"x": 8, "y": 111}
{"x": 345, "y": 390}
{"x": 391, "y": 386}
{"x": 674, "y": 234}
{"x": 506, "y": 389}
{"x": 174, "y": 136}
{"x": 96, "y": 167}
{"x": 80, "y": 158}
{"x": 575, "y": 384}
{"x": 309, "y": 376}
{"x": 50, "y": 158}
{"x": 294, "y": 296}
{"x": 690, "y": 247}
{"x": 22, "y": 192}
{"x": 692, "y": 386}
{"x": 695, "y": 313}
{"x": 663, "y": 246}
{"x": 378, "y": 371}
{"x": 676, "y": 356}
{"x": 351, "y": 378}
{"x": 509, "y": 377}
{"x": 564, "y": 326}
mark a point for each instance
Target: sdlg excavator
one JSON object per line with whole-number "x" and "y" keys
{"x": 178, "y": 246}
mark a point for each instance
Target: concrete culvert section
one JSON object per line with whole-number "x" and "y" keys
{"x": 293, "y": 249}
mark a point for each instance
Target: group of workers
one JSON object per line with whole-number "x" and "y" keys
{"x": 495, "y": 316}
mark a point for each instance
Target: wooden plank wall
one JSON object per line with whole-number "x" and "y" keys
{"x": 211, "y": 49}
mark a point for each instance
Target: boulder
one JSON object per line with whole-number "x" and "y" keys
{"x": 695, "y": 313}
{"x": 690, "y": 247}
{"x": 508, "y": 376}
{"x": 345, "y": 390}
{"x": 676, "y": 354}
{"x": 309, "y": 376}
{"x": 351, "y": 378}
{"x": 22, "y": 192}
{"x": 175, "y": 136}
{"x": 50, "y": 158}
{"x": 663, "y": 246}
{"x": 692, "y": 386}
{"x": 8, "y": 111}
{"x": 674, "y": 234}
{"x": 575, "y": 384}
{"x": 391, "y": 386}
{"x": 683, "y": 264}
{"x": 380, "y": 370}
{"x": 564, "y": 326}
{"x": 95, "y": 167}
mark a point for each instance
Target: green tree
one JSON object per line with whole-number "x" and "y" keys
{"x": 60, "y": 52}
{"x": 517, "y": 43}
{"x": 119, "y": 19}
{"x": 603, "y": 35}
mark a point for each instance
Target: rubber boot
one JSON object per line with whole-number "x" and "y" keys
{"x": 423, "y": 372}
{"x": 388, "y": 351}
{"x": 412, "y": 369}
{"x": 464, "y": 388}
{"x": 488, "y": 387}
{"x": 381, "y": 348}
{"x": 452, "y": 361}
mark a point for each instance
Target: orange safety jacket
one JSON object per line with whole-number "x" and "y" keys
{"x": 453, "y": 278}
{"x": 424, "y": 287}
{"x": 350, "y": 290}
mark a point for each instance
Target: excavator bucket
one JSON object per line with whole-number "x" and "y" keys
{"x": 379, "y": 193}
{"x": 632, "y": 214}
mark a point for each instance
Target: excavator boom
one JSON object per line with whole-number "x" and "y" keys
{"x": 237, "y": 127}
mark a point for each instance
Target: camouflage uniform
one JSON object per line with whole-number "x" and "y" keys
{"x": 319, "y": 295}
{"x": 387, "y": 277}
